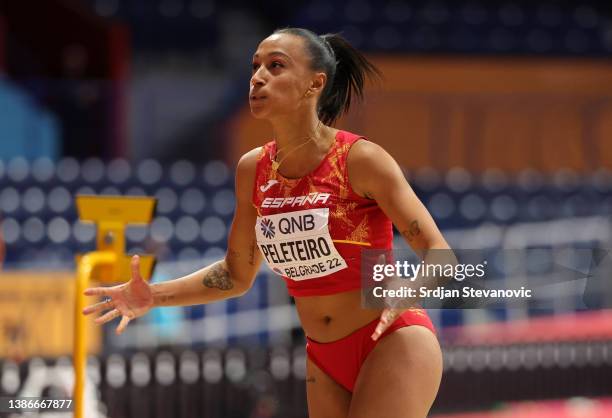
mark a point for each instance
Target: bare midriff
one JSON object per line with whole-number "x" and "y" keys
{"x": 329, "y": 318}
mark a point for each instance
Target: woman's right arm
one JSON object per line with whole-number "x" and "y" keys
{"x": 234, "y": 275}
{"x": 230, "y": 277}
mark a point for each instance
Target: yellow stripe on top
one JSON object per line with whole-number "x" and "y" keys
{"x": 344, "y": 241}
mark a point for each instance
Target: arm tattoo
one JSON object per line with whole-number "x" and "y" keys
{"x": 412, "y": 231}
{"x": 218, "y": 277}
{"x": 311, "y": 379}
{"x": 166, "y": 298}
{"x": 252, "y": 254}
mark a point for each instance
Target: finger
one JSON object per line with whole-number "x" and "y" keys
{"x": 386, "y": 318}
{"x": 136, "y": 268}
{"x": 108, "y": 316}
{"x": 97, "y": 291}
{"x": 380, "y": 328}
{"x": 107, "y": 304}
{"x": 125, "y": 320}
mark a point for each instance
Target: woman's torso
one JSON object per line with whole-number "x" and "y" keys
{"x": 312, "y": 231}
{"x": 331, "y": 317}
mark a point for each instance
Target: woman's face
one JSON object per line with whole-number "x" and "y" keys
{"x": 280, "y": 78}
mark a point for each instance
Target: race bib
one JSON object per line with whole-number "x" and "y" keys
{"x": 298, "y": 245}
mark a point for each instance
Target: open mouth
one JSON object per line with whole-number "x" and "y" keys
{"x": 256, "y": 98}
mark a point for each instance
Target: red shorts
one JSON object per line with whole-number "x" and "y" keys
{"x": 342, "y": 359}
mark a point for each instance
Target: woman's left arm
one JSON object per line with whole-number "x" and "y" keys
{"x": 374, "y": 174}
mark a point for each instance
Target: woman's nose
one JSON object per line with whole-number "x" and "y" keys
{"x": 257, "y": 79}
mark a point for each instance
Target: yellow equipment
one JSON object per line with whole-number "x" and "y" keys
{"x": 107, "y": 265}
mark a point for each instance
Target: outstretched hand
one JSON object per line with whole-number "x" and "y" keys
{"x": 128, "y": 300}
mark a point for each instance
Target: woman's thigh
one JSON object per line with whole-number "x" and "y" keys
{"x": 326, "y": 398}
{"x": 400, "y": 377}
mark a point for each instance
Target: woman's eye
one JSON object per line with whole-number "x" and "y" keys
{"x": 274, "y": 64}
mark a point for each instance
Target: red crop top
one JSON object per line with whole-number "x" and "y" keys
{"x": 312, "y": 230}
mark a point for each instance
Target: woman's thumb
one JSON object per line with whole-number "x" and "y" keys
{"x": 135, "y": 263}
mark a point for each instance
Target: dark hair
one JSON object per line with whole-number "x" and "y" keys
{"x": 345, "y": 67}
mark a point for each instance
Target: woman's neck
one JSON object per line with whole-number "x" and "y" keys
{"x": 290, "y": 132}
{"x": 300, "y": 144}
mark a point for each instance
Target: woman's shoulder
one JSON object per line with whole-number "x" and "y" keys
{"x": 366, "y": 156}
{"x": 249, "y": 160}
{"x": 348, "y": 136}
{"x": 353, "y": 143}
{"x": 246, "y": 171}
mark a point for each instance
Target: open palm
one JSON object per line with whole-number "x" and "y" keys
{"x": 128, "y": 300}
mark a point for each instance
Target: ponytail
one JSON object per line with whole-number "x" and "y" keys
{"x": 346, "y": 69}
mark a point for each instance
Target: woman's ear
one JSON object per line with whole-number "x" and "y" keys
{"x": 318, "y": 83}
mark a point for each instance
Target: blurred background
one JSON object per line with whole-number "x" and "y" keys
{"x": 500, "y": 113}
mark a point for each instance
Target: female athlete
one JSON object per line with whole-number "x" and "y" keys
{"x": 308, "y": 202}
